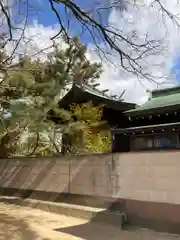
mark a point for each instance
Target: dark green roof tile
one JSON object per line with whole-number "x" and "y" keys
{"x": 160, "y": 99}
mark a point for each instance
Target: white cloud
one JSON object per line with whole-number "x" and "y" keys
{"x": 36, "y": 41}
{"x": 143, "y": 19}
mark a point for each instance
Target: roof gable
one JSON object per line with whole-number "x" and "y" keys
{"x": 165, "y": 92}
{"x": 88, "y": 92}
{"x": 94, "y": 91}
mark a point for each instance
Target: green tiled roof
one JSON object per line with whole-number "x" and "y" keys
{"x": 160, "y": 99}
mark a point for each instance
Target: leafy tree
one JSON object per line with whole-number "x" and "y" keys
{"x": 88, "y": 134}
{"x": 30, "y": 93}
{"x": 39, "y": 144}
{"x": 85, "y": 132}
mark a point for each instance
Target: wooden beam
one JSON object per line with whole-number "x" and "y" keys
{"x": 122, "y": 94}
{"x": 95, "y": 85}
{"x": 104, "y": 91}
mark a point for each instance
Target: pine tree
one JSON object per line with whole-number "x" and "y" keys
{"x": 30, "y": 93}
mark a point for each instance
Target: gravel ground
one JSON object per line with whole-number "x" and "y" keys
{"x": 18, "y": 223}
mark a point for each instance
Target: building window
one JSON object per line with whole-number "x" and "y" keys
{"x": 163, "y": 142}
{"x": 143, "y": 143}
{"x": 155, "y": 142}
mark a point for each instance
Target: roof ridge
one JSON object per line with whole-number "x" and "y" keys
{"x": 94, "y": 88}
{"x": 160, "y": 92}
{"x": 97, "y": 90}
{"x": 162, "y": 89}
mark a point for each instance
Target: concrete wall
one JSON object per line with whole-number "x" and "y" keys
{"x": 148, "y": 183}
{"x": 150, "y": 176}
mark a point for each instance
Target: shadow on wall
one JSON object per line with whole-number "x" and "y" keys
{"x": 26, "y": 177}
{"x": 17, "y": 175}
{"x": 50, "y": 179}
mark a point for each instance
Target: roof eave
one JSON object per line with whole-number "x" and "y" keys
{"x": 137, "y": 112}
{"x": 145, "y": 128}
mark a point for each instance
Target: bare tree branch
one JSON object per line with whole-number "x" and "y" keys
{"x": 91, "y": 21}
{"x": 8, "y": 19}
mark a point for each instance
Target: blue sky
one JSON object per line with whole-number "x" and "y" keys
{"x": 176, "y": 68}
{"x": 111, "y": 78}
{"x": 48, "y": 18}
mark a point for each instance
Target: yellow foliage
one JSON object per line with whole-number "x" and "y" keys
{"x": 91, "y": 137}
